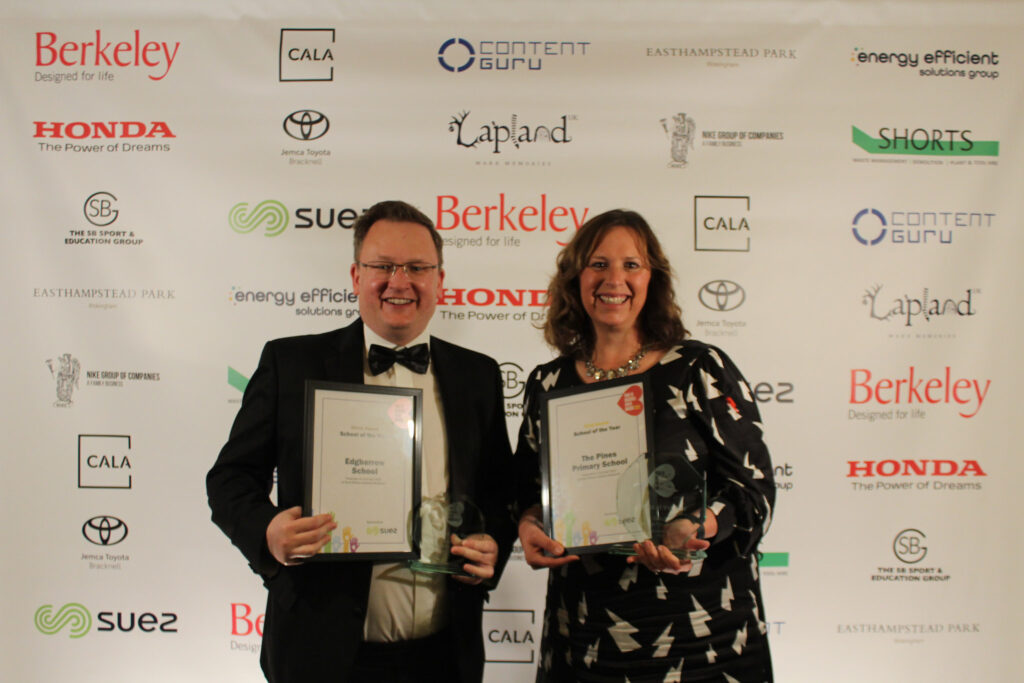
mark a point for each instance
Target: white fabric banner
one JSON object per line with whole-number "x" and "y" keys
{"x": 836, "y": 185}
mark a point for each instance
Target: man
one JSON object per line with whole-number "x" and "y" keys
{"x": 361, "y": 621}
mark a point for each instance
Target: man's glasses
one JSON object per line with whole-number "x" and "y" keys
{"x": 414, "y": 271}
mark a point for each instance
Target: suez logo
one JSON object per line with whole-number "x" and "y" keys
{"x": 457, "y": 55}
{"x": 917, "y": 388}
{"x": 271, "y": 217}
{"x": 127, "y": 52}
{"x": 77, "y": 618}
{"x": 916, "y": 226}
{"x": 925, "y": 306}
{"x": 939, "y": 62}
{"x": 306, "y": 54}
{"x": 516, "y": 132}
{"x": 946, "y": 142}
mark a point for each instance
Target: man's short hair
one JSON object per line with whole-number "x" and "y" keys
{"x": 392, "y": 210}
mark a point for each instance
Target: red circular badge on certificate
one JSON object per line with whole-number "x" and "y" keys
{"x": 632, "y": 400}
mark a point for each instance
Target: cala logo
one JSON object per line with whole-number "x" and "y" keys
{"x": 270, "y": 215}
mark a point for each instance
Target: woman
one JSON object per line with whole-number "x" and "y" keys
{"x": 652, "y": 617}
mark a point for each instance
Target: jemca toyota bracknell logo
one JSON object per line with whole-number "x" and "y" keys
{"x": 306, "y": 125}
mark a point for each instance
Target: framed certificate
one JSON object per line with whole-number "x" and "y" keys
{"x": 594, "y": 465}
{"x": 362, "y": 464}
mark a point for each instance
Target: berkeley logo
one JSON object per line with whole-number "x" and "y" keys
{"x": 97, "y": 52}
{"x": 968, "y": 394}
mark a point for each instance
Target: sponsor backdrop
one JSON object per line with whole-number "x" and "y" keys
{"x": 837, "y": 185}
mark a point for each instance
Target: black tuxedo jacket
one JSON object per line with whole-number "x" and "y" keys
{"x": 315, "y": 612}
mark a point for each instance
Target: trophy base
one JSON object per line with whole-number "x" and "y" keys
{"x": 453, "y": 568}
{"x": 626, "y": 550}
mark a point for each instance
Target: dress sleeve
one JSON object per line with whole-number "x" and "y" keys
{"x": 741, "y": 487}
{"x": 526, "y": 461}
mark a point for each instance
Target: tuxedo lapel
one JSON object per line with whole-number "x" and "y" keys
{"x": 344, "y": 363}
{"x": 457, "y": 403}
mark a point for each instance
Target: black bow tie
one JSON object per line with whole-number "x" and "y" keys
{"x": 381, "y": 358}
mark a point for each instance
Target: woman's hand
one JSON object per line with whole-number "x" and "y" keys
{"x": 679, "y": 534}
{"x": 535, "y": 542}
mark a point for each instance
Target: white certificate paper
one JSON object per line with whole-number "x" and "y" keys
{"x": 363, "y": 466}
{"x": 591, "y": 437}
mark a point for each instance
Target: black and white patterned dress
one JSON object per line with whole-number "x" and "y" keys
{"x": 606, "y": 620}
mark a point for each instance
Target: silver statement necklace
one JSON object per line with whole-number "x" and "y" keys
{"x": 621, "y": 371}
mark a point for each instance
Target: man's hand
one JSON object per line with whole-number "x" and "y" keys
{"x": 292, "y": 537}
{"x": 480, "y": 552}
{"x": 535, "y": 542}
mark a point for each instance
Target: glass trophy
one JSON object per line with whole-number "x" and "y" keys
{"x": 663, "y": 499}
{"x": 437, "y": 520}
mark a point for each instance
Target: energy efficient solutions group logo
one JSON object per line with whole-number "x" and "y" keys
{"x": 269, "y": 215}
{"x": 73, "y": 616}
